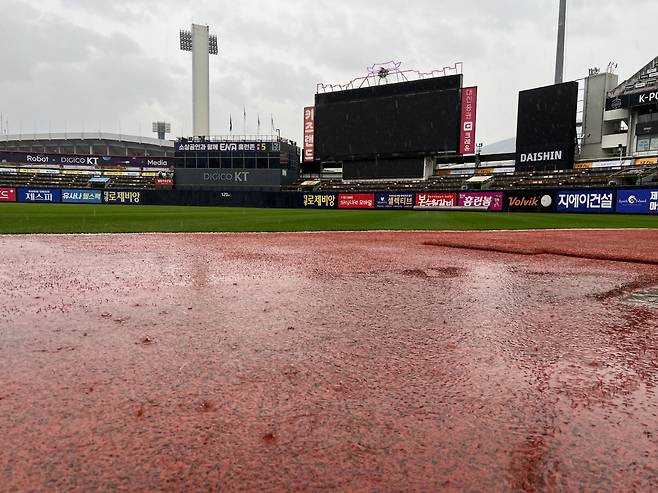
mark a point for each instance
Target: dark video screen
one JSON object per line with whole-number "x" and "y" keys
{"x": 394, "y": 120}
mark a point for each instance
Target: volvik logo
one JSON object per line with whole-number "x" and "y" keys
{"x": 523, "y": 202}
{"x": 529, "y": 202}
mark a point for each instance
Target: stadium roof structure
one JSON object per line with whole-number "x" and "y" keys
{"x": 644, "y": 80}
{"x": 94, "y": 143}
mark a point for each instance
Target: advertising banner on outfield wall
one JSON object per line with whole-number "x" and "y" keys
{"x": 394, "y": 201}
{"x": 319, "y": 200}
{"x": 492, "y": 201}
{"x": 122, "y": 197}
{"x": 7, "y": 195}
{"x": 637, "y": 201}
{"x": 309, "y": 134}
{"x": 469, "y": 112}
{"x": 586, "y": 201}
{"x": 82, "y": 196}
{"x": 38, "y": 194}
{"x": 356, "y": 201}
{"x": 431, "y": 200}
{"x": 537, "y": 201}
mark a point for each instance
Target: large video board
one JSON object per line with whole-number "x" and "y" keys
{"x": 546, "y": 128}
{"x": 405, "y": 119}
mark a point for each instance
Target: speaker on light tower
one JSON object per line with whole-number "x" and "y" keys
{"x": 202, "y": 44}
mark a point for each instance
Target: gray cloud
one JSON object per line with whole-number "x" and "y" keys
{"x": 91, "y": 60}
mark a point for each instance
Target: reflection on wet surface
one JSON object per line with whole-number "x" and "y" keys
{"x": 647, "y": 297}
{"x": 356, "y": 362}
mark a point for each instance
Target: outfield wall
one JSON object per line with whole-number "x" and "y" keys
{"x": 592, "y": 201}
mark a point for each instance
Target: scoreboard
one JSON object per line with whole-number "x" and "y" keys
{"x": 236, "y": 154}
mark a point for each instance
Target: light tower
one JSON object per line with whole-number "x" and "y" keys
{"x": 202, "y": 44}
{"x": 561, "y": 33}
{"x": 162, "y": 129}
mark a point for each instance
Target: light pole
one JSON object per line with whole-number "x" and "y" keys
{"x": 202, "y": 44}
{"x": 561, "y": 34}
{"x": 162, "y": 129}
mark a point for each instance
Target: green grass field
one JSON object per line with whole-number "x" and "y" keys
{"x": 65, "y": 218}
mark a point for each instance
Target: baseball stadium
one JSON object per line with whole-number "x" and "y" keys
{"x": 385, "y": 306}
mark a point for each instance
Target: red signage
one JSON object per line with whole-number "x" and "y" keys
{"x": 309, "y": 134}
{"x": 356, "y": 201}
{"x": 7, "y": 195}
{"x": 469, "y": 113}
{"x": 168, "y": 182}
{"x": 436, "y": 200}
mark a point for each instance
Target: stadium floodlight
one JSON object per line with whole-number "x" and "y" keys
{"x": 162, "y": 129}
{"x": 185, "y": 40}
{"x": 202, "y": 44}
{"x": 213, "y": 44}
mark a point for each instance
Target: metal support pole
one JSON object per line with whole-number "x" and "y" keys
{"x": 561, "y": 34}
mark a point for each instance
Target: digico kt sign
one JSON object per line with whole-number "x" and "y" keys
{"x": 238, "y": 176}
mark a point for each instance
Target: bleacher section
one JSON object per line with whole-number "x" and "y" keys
{"x": 574, "y": 178}
{"x": 13, "y": 175}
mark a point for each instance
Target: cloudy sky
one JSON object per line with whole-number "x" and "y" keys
{"x": 85, "y": 64}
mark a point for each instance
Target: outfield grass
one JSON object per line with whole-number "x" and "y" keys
{"x": 69, "y": 218}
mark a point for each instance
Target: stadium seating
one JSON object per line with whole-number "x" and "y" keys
{"x": 574, "y": 178}
{"x": 35, "y": 178}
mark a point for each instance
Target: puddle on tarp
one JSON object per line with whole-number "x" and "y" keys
{"x": 647, "y": 297}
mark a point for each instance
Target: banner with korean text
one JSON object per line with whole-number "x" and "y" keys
{"x": 309, "y": 134}
{"x": 435, "y": 200}
{"x": 491, "y": 201}
{"x": 38, "y": 195}
{"x": 469, "y": 114}
{"x": 586, "y": 201}
{"x": 122, "y": 197}
{"x": 394, "y": 201}
{"x": 356, "y": 201}
{"x": 82, "y": 196}
{"x": 319, "y": 201}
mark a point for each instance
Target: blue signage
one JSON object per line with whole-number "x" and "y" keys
{"x": 82, "y": 196}
{"x": 38, "y": 195}
{"x": 85, "y": 160}
{"x": 394, "y": 201}
{"x": 586, "y": 201}
{"x": 637, "y": 201}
